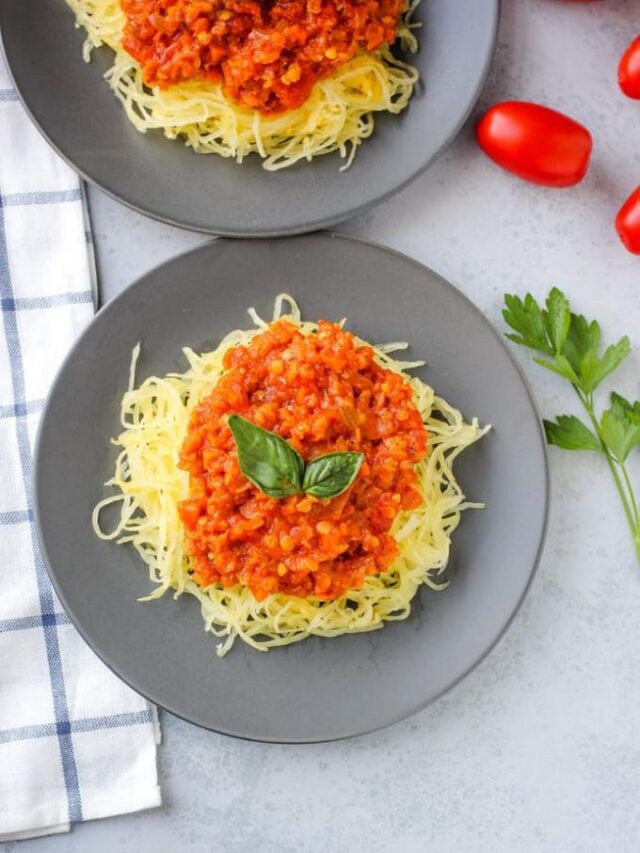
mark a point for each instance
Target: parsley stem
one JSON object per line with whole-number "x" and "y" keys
{"x": 632, "y": 497}
{"x": 628, "y": 499}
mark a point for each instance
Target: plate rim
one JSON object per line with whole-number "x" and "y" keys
{"x": 263, "y": 233}
{"x": 407, "y": 712}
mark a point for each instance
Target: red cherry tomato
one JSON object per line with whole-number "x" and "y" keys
{"x": 628, "y": 222}
{"x": 629, "y": 70}
{"x": 536, "y": 143}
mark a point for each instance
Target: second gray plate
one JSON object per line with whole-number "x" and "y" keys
{"x": 79, "y": 115}
{"x": 318, "y": 689}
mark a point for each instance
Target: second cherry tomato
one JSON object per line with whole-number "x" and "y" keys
{"x": 536, "y": 143}
{"x": 629, "y": 70}
{"x": 628, "y": 222}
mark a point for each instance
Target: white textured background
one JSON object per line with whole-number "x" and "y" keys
{"x": 539, "y": 749}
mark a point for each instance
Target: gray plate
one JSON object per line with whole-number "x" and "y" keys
{"x": 318, "y": 689}
{"x": 78, "y": 114}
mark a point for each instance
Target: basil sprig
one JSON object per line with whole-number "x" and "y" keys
{"x": 275, "y": 467}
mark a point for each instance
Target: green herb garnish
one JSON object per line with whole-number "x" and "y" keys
{"x": 330, "y": 475}
{"x": 275, "y": 467}
{"x": 571, "y": 347}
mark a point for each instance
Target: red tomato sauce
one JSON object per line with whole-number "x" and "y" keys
{"x": 321, "y": 393}
{"x": 267, "y": 54}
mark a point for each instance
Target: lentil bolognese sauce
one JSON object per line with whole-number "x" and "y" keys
{"x": 267, "y": 53}
{"x": 323, "y": 393}
{"x": 270, "y": 560}
{"x": 286, "y": 79}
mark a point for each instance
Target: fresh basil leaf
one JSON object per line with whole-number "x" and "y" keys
{"x": 330, "y": 475}
{"x": 582, "y": 337}
{"x": 594, "y": 368}
{"x": 569, "y": 433}
{"x": 266, "y": 459}
{"x": 526, "y": 318}
{"x": 557, "y": 318}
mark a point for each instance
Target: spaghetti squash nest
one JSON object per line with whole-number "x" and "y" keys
{"x": 149, "y": 486}
{"x": 337, "y": 116}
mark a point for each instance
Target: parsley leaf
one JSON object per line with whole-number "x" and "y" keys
{"x": 583, "y": 337}
{"x": 620, "y": 427}
{"x": 561, "y": 366}
{"x": 526, "y": 318}
{"x": 557, "y": 319}
{"x": 631, "y": 410}
{"x": 594, "y": 368}
{"x": 569, "y": 433}
{"x": 569, "y": 338}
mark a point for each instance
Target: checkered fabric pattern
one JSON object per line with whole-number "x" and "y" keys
{"x": 75, "y": 742}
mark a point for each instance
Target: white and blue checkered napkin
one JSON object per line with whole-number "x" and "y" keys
{"x": 75, "y": 742}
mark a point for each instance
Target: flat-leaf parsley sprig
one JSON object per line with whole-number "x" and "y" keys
{"x": 571, "y": 346}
